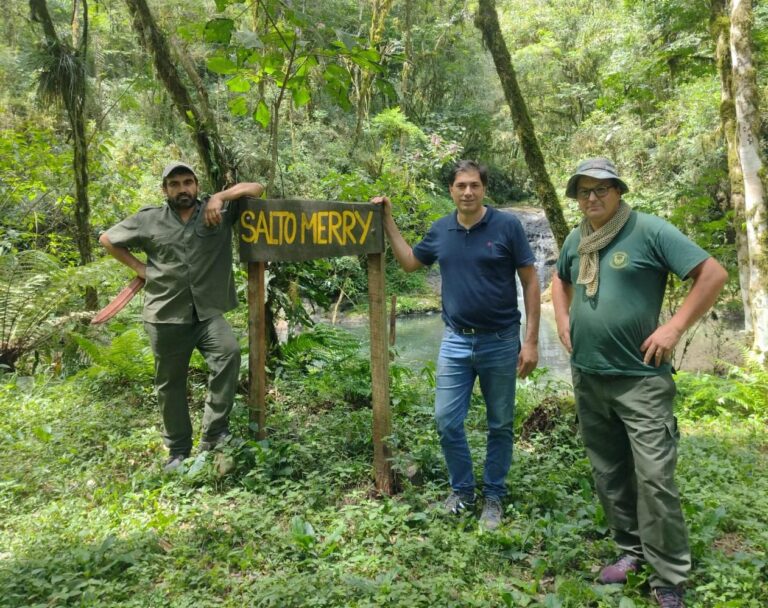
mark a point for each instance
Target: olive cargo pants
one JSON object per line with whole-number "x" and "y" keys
{"x": 172, "y": 345}
{"x": 630, "y": 435}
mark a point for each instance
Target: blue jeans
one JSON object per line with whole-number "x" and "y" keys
{"x": 462, "y": 358}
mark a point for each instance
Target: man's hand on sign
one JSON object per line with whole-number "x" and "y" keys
{"x": 213, "y": 210}
{"x": 386, "y": 204}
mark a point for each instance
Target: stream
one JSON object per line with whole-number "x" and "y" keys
{"x": 418, "y": 340}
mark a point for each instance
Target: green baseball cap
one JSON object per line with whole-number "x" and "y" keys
{"x": 177, "y": 164}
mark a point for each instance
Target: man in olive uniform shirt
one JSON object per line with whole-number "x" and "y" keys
{"x": 189, "y": 285}
{"x": 607, "y": 294}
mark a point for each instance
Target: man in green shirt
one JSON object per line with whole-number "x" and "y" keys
{"x": 607, "y": 294}
{"x": 189, "y": 285}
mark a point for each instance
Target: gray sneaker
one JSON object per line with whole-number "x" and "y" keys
{"x": 208, "y": 444}
{"x": 457, "y": 504}
{"x": 174, "y": 462}
{"x": 490, "y": 519}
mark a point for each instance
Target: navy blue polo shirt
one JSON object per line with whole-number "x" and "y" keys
{"x": 478, "y": 268}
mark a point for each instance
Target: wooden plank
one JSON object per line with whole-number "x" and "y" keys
{"x": 257, "y": 349}
{"x": 382, "y": 414}
{"x": 296, "y": 230}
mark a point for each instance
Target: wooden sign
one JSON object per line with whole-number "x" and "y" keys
{"x": 274, "y": 230}
{"x": 293, "y": 230}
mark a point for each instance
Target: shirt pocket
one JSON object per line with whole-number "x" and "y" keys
{"x": 204, "y": 231}
{"x": 210, "y": 240}
{"x": 162, "y": 245}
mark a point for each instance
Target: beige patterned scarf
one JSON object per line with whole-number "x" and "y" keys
{"x": 592, "y": 241}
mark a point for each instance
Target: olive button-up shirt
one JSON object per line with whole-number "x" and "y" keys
{"x": 189, "y": 266}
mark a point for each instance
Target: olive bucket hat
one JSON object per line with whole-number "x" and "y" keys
{"x": 599, "y": 168}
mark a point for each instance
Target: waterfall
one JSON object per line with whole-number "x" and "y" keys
{"x": 541, "y": 240}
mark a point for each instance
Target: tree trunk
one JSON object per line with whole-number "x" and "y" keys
{"x": 191, "y": 71}
{"x": 274, "y": 127}
{"x": 379, "y": 11}
{"x": 405, "y": 75}
{"x": 72, "y": 91}
{"x": 721, "y": 33}
{"x": 748, "y": 128}
{"x": 487, "y": 22}
{"x": 214, "y": 155}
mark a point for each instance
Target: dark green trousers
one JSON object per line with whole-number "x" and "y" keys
{"x": 172, "y": 345}
{"x": 630, "y": 435}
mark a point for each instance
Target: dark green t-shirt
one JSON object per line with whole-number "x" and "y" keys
{"x": 189, "y": 266}
{"x": 607, "y": 330}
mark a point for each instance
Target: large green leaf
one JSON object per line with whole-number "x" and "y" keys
{"x": 282, "y": 39}
{"x": 221, "y": 65}
{"x": 222, "y": 4}
{"x": 335, "y": 72}
{"x": 261, "y": 114}
{"x": 219, "y": 30}
{"x": 365, "y": 63}
{"x": 369, "y": 54}
{"x": 239, "y": 84}
{"x": 272, "y": 62}
{"x": 385, "y": 88}
{"x": 339, "y": 92}
{"x": 238, "y": 106}
{"x": 306, "y": 63}
{"x": 301, "y": 96}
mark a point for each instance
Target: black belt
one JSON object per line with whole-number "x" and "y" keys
{"x": 471, "y": 331}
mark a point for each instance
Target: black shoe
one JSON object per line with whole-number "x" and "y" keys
{"x": 669, "y": 597}
{"x": 207, "y": 444}
{"x": 174, "y": 462}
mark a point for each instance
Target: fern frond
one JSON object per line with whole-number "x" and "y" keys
{"x": 321, "y": 345}
{"x": 39, "y": 297}
{"x": 128, "y": 357}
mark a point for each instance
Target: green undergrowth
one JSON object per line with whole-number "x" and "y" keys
{"x": 417, "y": 304}
{"x": 88, "y": 519}
{"x": 413, "y": 304}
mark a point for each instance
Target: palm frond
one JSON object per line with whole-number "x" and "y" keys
{"x": 60, "y": 76}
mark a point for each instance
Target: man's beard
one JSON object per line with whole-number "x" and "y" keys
{"x": 182, "y": 201}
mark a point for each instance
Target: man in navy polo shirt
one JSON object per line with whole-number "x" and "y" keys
{"x": 480, "y": 250}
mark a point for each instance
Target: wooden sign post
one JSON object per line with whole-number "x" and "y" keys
{"x": 257, "y": 351}
{"x": 294, "y": 230}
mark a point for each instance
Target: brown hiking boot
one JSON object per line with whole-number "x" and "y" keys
{"x": 617, "y": 572}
